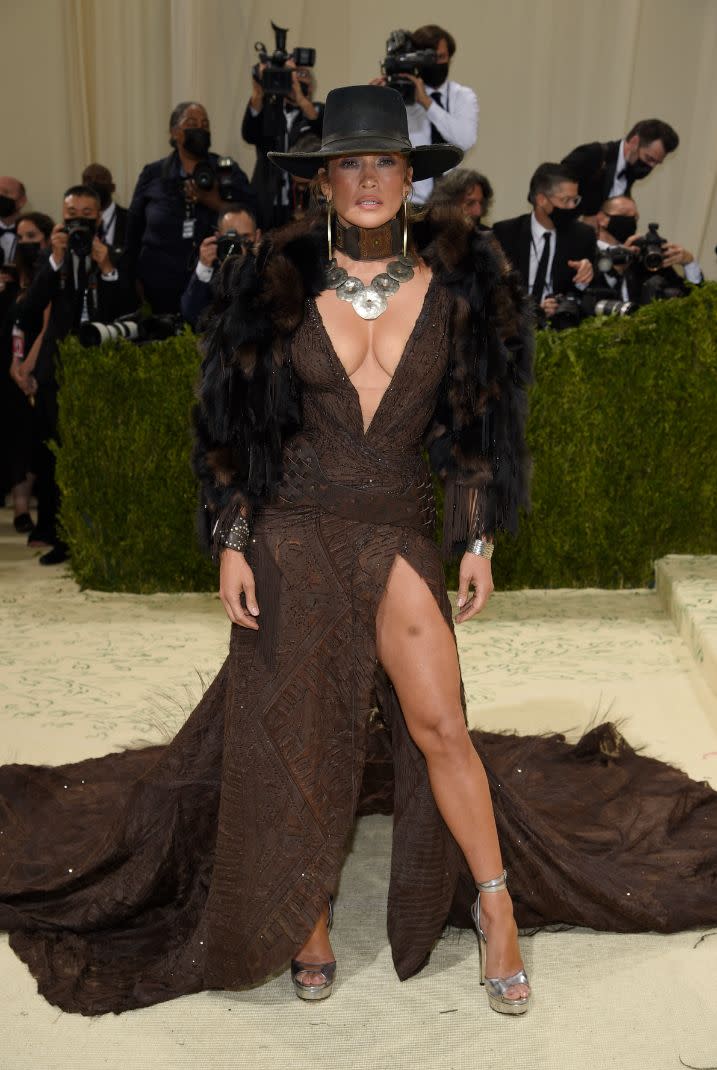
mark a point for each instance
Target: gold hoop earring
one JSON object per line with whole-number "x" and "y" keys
{"x": 328, "y": 231}
{"x": 405, "y": 223}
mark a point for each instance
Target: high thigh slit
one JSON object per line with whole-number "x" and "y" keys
{"x": 205, "y": 863}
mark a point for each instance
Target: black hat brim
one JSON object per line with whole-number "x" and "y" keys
{"x": 427, "y": 161}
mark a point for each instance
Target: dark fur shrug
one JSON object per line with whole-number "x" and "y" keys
{"x": 249, "y": 402}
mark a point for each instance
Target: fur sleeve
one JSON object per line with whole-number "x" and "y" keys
{"x": 245, "y": 401}
{"x": 249, "y": 401}
{"x": 477, "y": 442}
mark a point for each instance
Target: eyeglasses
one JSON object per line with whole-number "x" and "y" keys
{"x": 566, "y": 202}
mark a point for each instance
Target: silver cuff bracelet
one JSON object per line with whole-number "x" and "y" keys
{"x": 481, "y": 548}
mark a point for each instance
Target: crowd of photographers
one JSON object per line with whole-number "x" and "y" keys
{"x": 104, "y": 271}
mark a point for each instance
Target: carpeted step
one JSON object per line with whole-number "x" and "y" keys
{"x": 687, "y": 587}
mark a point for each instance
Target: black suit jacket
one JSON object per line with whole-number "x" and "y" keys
{"x": 196, "y": 298}
{"x": 594, "y": 167}
{"x": 107, "y": 301}
{"x": 576, "y": 242}
{"x": 266, "y": 180}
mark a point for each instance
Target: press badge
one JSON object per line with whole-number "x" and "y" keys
{"x": 188, "y": 228}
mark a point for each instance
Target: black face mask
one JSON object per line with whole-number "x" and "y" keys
{"x": 104, "y": 193}
{"x": 622, "y": 227}
{"x": 197, "y": 142}
{"x": 563, "y": 217}
{"x": 435, "y": 74}
{"x": 26, "y": 254}
{"x": 7, "y": 206}
{"x": 639, "y": 169}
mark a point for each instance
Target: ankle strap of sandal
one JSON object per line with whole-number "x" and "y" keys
{"x": 497, "y": 884}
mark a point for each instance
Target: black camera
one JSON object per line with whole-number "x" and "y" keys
{"x": 614, "y": 255}
{"x": 207, "y": 173}
{"x": 402, "y": 58}
{"x": 650, "y": 248}
{"x": 81, "y": 235}
{"x": 574, "y": 308}
{"x": 132, "y": 328}
{"x": 275, "y": 79}
{"x": 232, "y": 244}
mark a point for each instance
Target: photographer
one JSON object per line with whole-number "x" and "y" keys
{"x": 444, "y": 111}
{"x": 467, "y": 190}
{"x": 79, "y": 282}
{"x": 627, "y": 272}
{"x": 113, "y": 225}
{"x": 12, "y": 201}
{"x": 610, "y": 168}
{"x": 175, "y": 207}
{"x": 295, "y": 116}
{"x": 552, "y": 252}
{"x": 17, "y": 353}
{"x": 236, "y": 233}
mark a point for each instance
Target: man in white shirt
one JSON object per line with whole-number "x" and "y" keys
{"x": 617, "y": 223}
{"x": 444, "y": 111}
{"x": 12, "y": 203}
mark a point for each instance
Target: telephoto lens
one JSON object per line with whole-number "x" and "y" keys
{"x": 96, "y": 334}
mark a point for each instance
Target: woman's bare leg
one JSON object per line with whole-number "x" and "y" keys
{"x": 416, "y": 648}
{"x": 317, "y": 949}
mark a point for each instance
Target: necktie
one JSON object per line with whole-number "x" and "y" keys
{"x": 542, "y": 272}
{"x": 436, "y": 138}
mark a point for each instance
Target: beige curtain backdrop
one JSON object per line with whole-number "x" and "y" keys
{"x": 96, "y": 80}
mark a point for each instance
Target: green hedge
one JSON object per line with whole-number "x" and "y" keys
{"x": 623, "y": 432}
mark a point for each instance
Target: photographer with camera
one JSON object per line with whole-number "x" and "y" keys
{"x": 79, "y": 282}
{"x": 113, "y": 224}
{"x": 281, "y": 110}
{"x": 175, "y": 206}
{"x": 236, "y": 234}
{"x": 637, "y": 268}
{"x": 417, "y": 64}
{"x": 609, "y": 169}
{"x": 552, "y": 252}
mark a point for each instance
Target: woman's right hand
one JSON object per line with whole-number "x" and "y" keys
{"x": 236, "y": 578}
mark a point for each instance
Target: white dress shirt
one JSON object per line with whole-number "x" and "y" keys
{"x": 109, "y": 222}
{"x": 537, "y": 244}
{"x": 455, "y": 119}
{"x": 8, "y": 241}
{"x": 619, "y": 182}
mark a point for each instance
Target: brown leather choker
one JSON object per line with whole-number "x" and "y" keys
{"x": 375, "y": 243}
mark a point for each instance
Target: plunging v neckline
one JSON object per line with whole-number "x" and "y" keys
{"x": 339, "y": 367}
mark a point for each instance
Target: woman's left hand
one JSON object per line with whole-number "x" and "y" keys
{"x": 475, "y": 571}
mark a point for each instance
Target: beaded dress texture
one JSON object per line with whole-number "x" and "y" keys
{"x": 204, "y": 863}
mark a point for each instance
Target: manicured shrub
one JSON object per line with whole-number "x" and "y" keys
{"x": 623, "y": 432}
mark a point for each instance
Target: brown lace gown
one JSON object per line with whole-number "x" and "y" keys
{"x": 204, "y": 863}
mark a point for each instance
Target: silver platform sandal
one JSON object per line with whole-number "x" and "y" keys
{"x": 496, "y": 987}
{"x": 326, "y": 969}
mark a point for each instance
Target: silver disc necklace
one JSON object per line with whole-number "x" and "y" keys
{"x": 370, "y": 301}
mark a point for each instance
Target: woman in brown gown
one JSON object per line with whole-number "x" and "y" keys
{"x": 208, "y": 862}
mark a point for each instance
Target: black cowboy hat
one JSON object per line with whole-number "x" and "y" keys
{"x": 362, "y": 119}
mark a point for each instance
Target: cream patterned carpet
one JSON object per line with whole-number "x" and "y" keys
{"x": 84, "y": 673}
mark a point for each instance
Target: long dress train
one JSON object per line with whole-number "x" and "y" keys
{"x": 204, "y": 863}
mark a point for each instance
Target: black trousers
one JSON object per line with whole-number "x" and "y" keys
{"x": 47, "y": 491}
